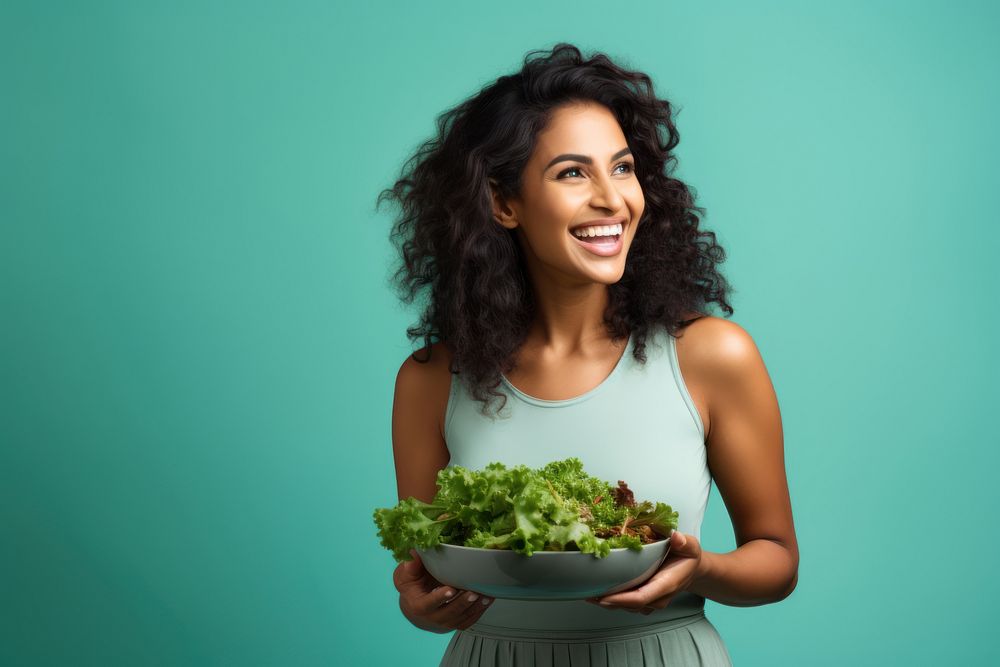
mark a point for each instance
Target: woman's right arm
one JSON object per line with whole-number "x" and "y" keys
{"x": 419, "y": 451}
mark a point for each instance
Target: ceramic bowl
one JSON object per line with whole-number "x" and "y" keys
{"x": 545, "y": 575}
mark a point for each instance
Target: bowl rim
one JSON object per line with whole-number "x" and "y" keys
{"x": 536, "y": 553}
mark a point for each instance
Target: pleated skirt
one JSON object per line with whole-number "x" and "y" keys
{"x": 690, "y": 640}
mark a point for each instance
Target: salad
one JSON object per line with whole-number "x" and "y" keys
{"x": 555, "y": 508}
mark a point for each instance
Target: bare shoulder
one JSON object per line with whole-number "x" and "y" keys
{"x": 424, "y": 381}
{"x": 717, "y": 348}
{"x": 720, "y": 363}
{"x": 418, "y": 444}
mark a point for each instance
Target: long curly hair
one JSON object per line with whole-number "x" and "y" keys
{"x": 471, "y": 269}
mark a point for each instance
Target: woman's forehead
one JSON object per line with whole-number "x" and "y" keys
{"x": 589, "y": 129}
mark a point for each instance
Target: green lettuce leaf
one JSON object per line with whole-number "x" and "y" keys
{"x": 660, "y": 517}
{"x": 555, "y": 508}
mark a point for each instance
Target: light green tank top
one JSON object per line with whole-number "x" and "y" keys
{"x": 638, "y": 425}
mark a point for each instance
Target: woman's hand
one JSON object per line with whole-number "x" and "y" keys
{"x": 677, "y": 573}
{"x": 432, "y": 606}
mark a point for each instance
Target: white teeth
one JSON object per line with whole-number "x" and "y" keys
{"x": 606, "y": 230}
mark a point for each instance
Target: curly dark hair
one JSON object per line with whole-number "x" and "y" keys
{"x": 480, "y": 299}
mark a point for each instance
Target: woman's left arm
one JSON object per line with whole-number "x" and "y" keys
{"x": 746, "y": 457}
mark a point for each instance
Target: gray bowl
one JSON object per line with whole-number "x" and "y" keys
{"x": 545, "y": 575}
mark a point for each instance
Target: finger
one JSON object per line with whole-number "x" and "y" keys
{"x": 631, "y": 610}
{"x": 454, "y": 612}
{"x": 474, "y": 612}
{"x": 655, "y": 587}
{"x": 429, "y": 603}
{"x": 427, "y": 579}
{"x": 609, "y": 605}
{"x": 413, "y": 576}
{"x": 409, "y": 576}
{"x": 408, "y": 571}
{"x": 662, "y": 602}
{"x": 633, "y": 599}
{"x": 401, "y": 576}
{"x": 428, "y": 583}
{"x": 682, "y": 544}
{"x": 655, "y": 605}
{"x": 630, "y": 603}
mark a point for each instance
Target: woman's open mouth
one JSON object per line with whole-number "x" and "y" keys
{"x": 603, "y": 240}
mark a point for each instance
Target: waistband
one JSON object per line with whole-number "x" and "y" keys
{"x": 594, "y": 635}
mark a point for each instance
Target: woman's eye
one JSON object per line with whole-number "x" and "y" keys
{"x": 627, "y": 165}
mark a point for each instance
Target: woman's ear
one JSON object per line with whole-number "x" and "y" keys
{"x": 502, "y": 212}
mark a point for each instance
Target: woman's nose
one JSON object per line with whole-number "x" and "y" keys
{"x": 605, "y": 194}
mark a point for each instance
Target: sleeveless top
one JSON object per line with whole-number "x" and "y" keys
{"x": 638, "y": 425}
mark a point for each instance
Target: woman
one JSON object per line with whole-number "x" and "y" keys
{"x": 569, "y": 283}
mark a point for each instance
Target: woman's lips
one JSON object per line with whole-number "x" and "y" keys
{"x": 605, "y": 249}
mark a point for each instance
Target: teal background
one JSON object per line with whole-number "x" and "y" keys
{"x": 198, "y": 343}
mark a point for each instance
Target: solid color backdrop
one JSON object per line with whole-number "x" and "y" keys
{"x": 198, "y": 343}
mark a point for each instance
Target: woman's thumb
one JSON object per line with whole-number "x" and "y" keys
{"x": 414, "y": 566}
{"x": 684, "y": 544}
{"x": 678, "y": 541}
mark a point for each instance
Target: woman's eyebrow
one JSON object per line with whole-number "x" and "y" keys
{"x": 586, "y": 159}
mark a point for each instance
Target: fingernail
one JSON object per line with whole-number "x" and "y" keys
{"x": 448, "y": 593}
{"x": 487, "y": 600}
{"x": 605, "y": 604}
{"x": 473, "y": 597}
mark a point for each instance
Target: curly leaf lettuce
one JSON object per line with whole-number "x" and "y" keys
{"x": 556, "y": 508}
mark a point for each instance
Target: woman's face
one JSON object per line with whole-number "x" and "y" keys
{"x": 580, "y": 178}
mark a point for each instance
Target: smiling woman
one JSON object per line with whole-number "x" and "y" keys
{"x": 557, "y": 196}
{"x": 568, "y": 277}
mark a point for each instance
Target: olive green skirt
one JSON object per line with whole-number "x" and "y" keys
{"x": 689, "y": 640}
